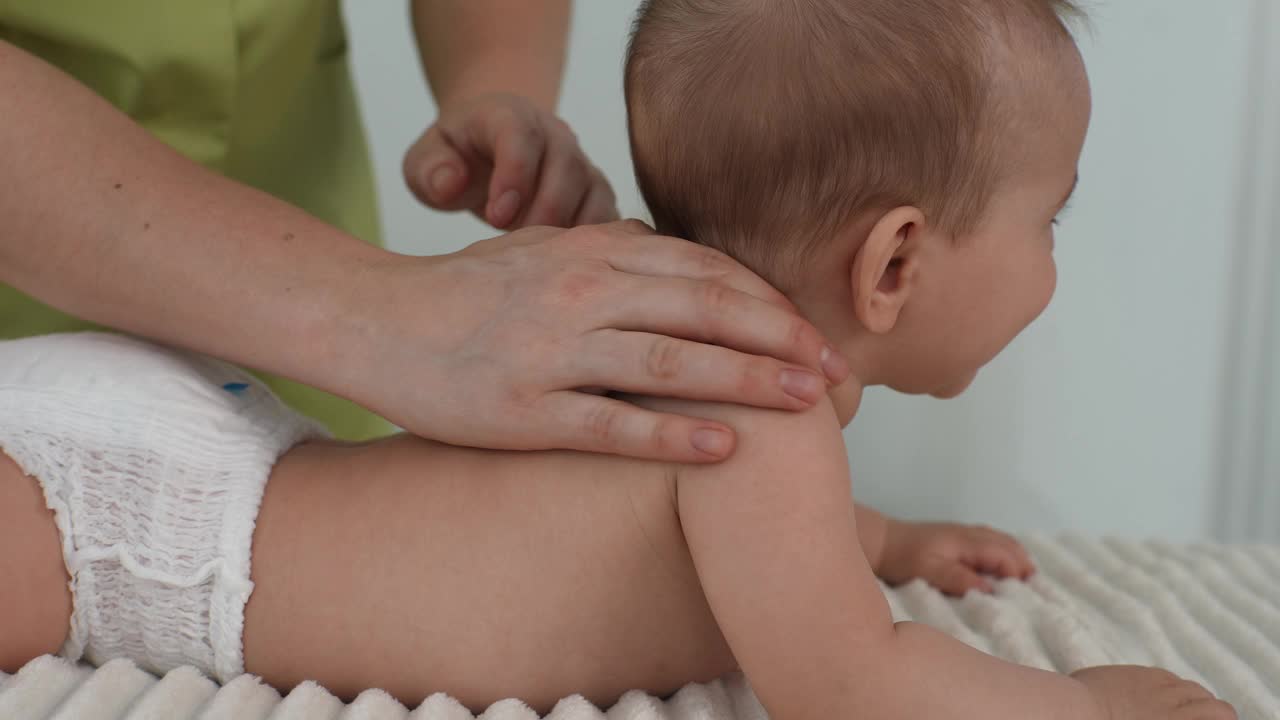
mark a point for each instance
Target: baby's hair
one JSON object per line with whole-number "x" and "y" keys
{"x": 762, "y": 127}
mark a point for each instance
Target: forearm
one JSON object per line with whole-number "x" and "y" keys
{"x": 488, "y": 46}
{"x": 103, "y": 221}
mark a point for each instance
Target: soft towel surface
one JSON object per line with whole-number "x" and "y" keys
{"x": 1207, "y": 612}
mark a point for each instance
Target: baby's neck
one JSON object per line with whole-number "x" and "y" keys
{"x": 847, "y": 398}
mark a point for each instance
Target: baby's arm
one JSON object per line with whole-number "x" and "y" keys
{"x": 773, "y": 534}
{"x": 873, "y": 533}
{"x": 952, "y": 558}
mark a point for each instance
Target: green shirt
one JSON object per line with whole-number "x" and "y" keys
{"x": 257, "y": 90}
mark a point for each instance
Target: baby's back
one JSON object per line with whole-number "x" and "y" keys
{"x": 559, "y": 549}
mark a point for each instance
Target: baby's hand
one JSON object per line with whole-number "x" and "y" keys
{"x": 951, "y": 557}
{"x": 1128, "y": 692}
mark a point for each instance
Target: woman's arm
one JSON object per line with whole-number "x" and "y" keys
{"x": 482, "y": 47}
{"x": 497, "y": 147}
{"x": 103, "y": 221}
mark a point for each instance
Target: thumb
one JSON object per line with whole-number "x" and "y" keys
{"x": 437, "y": 173}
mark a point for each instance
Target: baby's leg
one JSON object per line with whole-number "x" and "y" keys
{"x": 418, "y": 567}
{"x": 35, "y": 603}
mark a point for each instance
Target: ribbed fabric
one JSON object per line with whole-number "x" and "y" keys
{"x": 154, "y": 463}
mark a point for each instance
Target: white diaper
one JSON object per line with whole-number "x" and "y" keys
{"x": 154, "y": 463}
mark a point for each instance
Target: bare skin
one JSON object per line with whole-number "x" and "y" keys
{"x": 35, "y": 602}
{"x": 531, "y": 576}
{"x": 158, "y": 246}
{"x": 419, "y": 567}
{"x": 507, "y": 74}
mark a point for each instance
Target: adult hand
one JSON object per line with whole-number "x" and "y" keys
{"x": 513, "y": 329}
{"x": 510, "y": 163}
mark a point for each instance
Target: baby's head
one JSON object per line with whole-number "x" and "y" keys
{"x": 893, "y": 166}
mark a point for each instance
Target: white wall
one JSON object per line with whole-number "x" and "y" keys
{"x": 1104, "y": 417}
{"x": 1250, "y": 432}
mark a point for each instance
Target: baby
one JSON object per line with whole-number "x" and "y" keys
{"x": 893, "y": 166}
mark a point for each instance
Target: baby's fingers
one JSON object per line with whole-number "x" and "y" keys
{"x": 1026, "y": 567}
{"x": 957, "y": 579}
{"x": 998, "y": 559}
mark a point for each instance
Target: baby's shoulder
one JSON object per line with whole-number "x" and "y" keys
{"x": 804, "y": 439}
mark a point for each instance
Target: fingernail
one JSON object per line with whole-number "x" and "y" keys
{"x": 802, "y": 385}
{"x": 442, "y": 179}
{"x": 711, "y": 442}
{"x": 834, "y": 365}
{"x": 505, "y": 208}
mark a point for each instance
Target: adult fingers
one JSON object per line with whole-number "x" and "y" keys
{"x": 599, "y": 205}
{"x": 662, "y": 256}
{"x": 714, "y": 312}
{"x": 563, "y": 183}
{"x": 581, "y": 421}
{"x": 657, "y": 365}
{"x": 516, "y": 143}
{"x": 439, "y": 175}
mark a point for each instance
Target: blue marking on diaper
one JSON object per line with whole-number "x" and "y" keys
{"x": 236, "y": 388}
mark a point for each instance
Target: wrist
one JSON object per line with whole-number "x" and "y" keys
{"x": 890, "y": 538}
{"x": 351, "y": 329}
{"x": 480, "y": 83}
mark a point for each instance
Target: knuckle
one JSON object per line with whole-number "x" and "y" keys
{"x": 589, "y": 242}
{"x": 716, "y": 298}
{"x": 632, "y": 225}
{"x": 660, "y": 437}
{"x": 575, "y": 287}
{"x": 519, "y": 399}
{"x": 532, "y": 137}
{"x": 663, "y": 360}
{"x": 602, "y": 424}
{"x": 519, "y": 165}
{"x": 802, "y": 335}
{"x": 751, "y": 379}
{"x": 711, "y": 262}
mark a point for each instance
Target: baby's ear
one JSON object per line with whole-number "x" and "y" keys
{"x": 885, "y": 268}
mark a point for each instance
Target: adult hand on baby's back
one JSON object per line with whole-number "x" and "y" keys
{"x": 492, "y": 346}
{"x": 951, "y": 558}
{"x": 510, "y": 163}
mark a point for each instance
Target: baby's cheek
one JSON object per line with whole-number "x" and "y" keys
{"x": 956, "y": 388}
{"x": 1049, "y": 285}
